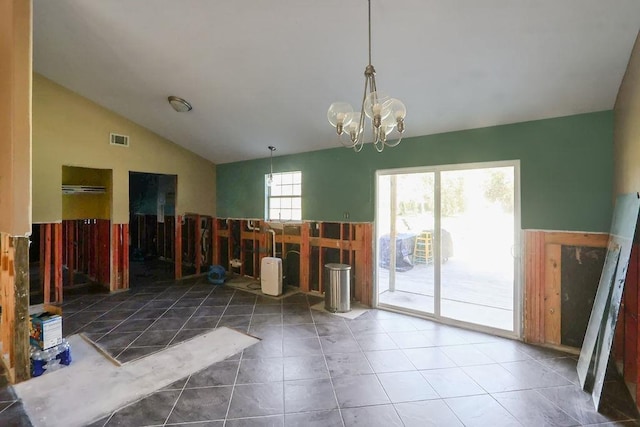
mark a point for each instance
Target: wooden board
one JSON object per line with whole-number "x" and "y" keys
{"x": 7, "y": 299}
{"x": 101, "y": 252}
{"x": 115, "y": 258}
{"x": 57, "y": 255}
{"x": 70, "y": 245}
{"x": 21, "y": 359}
{"x": 125, "y": 256}
{"x": 305, "y": 257}
{"x": 178, "y": 247}
{"x": 534, "y": 287}
{"x": 552, "y": 289}
{"x": 42, "y": 244}
{"x": 46, "y": 283}
{"x": 543, "y": 281}
{"x": 197, "y": 241}
{"x": 581, "y": 270}
{"x": 14, "y": 299}
{"x": 363, "y": 268}
{"x": 598, "y": 240}
{"x": 120, "y": 257}
{"x": 216, "y": 245}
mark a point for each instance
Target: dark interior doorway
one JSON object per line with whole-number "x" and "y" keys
{"x": 152, "y": 203}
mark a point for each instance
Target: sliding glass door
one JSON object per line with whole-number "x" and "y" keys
{"x": 406, "y": 217}
{"x": 446, "y": 241}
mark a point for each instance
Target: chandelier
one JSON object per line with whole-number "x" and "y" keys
{"x": 385, "y": 113}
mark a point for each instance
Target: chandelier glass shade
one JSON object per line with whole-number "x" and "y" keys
{"x": 384, "y": 113}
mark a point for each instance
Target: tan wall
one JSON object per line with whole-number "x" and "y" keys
{"x": 15, "y": 116}
{"x": 86, "y": 206}
{"x": 627, "y": 128}
{"x": 70, "y": 130}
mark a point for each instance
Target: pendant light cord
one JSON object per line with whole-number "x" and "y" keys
{"x": 272, "y": 149}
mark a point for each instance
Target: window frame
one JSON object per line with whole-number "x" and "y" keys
{"x": 288, "y": 189}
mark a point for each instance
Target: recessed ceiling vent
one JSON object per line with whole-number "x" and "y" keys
{"x": 121, "y": 140}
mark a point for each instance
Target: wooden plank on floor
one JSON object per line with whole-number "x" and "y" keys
{"x": 552, "y": 294}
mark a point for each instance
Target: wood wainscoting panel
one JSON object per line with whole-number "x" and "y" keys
{"x": 543, "y": 287}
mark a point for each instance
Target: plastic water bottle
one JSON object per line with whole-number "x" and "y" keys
{"x": 52, "y": 362}
{"x": 64, "y": 352}
{"x": 37, "y": 362}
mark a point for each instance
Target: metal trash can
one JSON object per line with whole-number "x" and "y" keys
{"x": 337, "y": 289}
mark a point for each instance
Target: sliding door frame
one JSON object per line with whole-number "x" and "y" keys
{"x": 518, "y": 296}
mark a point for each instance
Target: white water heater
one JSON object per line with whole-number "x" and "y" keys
{"x": 271, "y": 276}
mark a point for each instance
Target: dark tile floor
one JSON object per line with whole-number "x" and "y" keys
{"x": 316, "y": 369}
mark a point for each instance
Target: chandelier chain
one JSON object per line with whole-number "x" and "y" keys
{"x": 369, "y": 32}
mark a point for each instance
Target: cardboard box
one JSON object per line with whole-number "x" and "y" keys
{"x": 45, "y": 308}
{"x": 45, "y": 330}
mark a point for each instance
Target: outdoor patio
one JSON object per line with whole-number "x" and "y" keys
{"x": 468, "y": 293}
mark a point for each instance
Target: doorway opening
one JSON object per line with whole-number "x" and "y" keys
{"x": 446, "y": 244}
{"x": 152, "y": 205}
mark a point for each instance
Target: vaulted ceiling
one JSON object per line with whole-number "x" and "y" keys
{"x": 262, "y": 73}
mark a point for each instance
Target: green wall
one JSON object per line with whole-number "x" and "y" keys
{"x": 566, "y": 171}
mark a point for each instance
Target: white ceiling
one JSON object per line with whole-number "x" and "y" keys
{"x": 263, "y": 72}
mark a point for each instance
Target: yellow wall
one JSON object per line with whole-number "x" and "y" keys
{"x": 70, "y": 130}
{"x": 627, "y": 128}
{"x": 15, "y": 116}
{"x": 86, "y": 206}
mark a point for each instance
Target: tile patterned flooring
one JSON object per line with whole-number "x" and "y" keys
{"x": 316, "y": 369}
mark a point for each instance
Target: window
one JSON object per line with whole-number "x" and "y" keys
{"x": 284, "y": 197}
